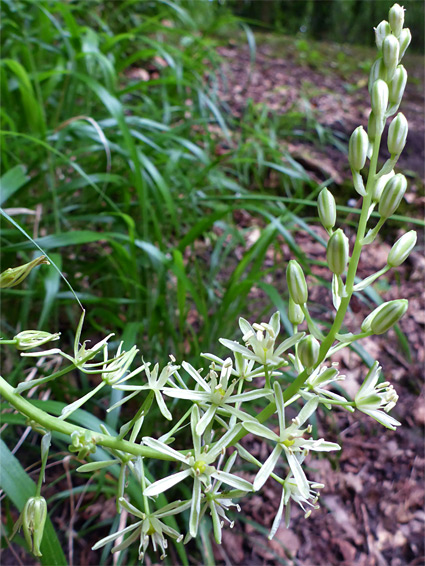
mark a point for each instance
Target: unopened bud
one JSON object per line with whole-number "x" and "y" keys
{"x": 377, "y": 71}
{"x": 390, "y": 54}
{"x": 295, "y": 313}
{"x": 33, "y": 519}
{"x": 379, "y": 98}
{"x": 308, "y": 351}
{"x": 397, "y": 134}
{"x": 28, "y": 339}
{"x": 15, "y": 275}
{"x": 337, "y": 252}
{"x": 381, "y": 31}
{"x": 396, "y": 19}
{"x": 326, "y": 208}
{"x": 404, "y": 39}
{"x": 297, "y": 285}
{"x": 380, "y": 186}
{"x": 386, "y": 315}
{"x": 357, "y": 149}
{"x": 372, "y": 127}
{"x": 397, "y": 86}
{"x": 391, "y": 197}
{"x": 401, "y": 249}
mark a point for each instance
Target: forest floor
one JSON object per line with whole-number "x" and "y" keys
{"x": 372, "y": 506}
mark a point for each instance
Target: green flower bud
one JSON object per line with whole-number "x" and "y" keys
{"x": 390, "y": 54}
{"x": 380, "y": 186}
{"x": 366, "y": 324}
{"x": 297, "y": 285}
{"x": 391, "y": 197}
{"x": 372, "y": 127}
{"x": 397, "y": 86}
{"x": 381, "y": 31}
{"x": 28, "y": 339}
{"x": 396, "y": 19}
{"x": 377, "y": 71}
{"x": 404, "y": 39}
{"x": 33, "y": 519}
{"x": 401, "y": 249}
{"x": 387, "y": 315}
{"x": 337, "y": 252}
{"x": 15, "y": 275}
{"x": 295, "y": 314}
{"x": 326, "y": 208}
{"x": 357, "y": 149}
{"x": 379, "y": 98}
{"x": 308, "y": 351}
{"x": 397, "y": 134}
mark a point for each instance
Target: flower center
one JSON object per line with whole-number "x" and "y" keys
{"x": 199, "y": 466}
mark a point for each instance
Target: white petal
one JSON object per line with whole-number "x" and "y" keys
{"x": 164, "y": 448}
{"x": 298, "y": 473}
{"x": 260, "y": 430}
{"x": 232, "y": 480}
{"x": 162, "y": 485}
{"x": 288, "y": 343}
{"x": 278, "y": 518}
{"x": 196, "y": 376}
{"x": 195, "y": 508}
{"x": 267, "y": 468}
{"x": 235, "y": 346}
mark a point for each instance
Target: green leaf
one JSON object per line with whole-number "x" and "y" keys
{"x": 12, "y": 181}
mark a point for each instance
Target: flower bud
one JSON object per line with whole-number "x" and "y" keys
{"x": 404, "y": 39}
{"x": 33, "y": 519}
{"x": 357, "y": 149}
{"x": 379, "y": 98}
{"x": 397, "y": 86}
{"x": 391, "y": 197}
{"x": 386, "y": 315}
{"x": 372, "y": 127}
{"x": 401, "y": 249}
{"x": 326, "y": 208}
{"x": 295, "y": 314}
{"x": 297, "y": 285}
{"x": 381, "y": 31}
{"x": 396, "y": 19}
{"x": 28, "y": 339}
{"x": 337, "y": 252}
{"x": 308, "y": 351}
{"x": 380, "y": 186}
{"x": 390, "y": 54}
{"x": 377, "y": 71}
{"x": 397, "y": 134}
{"x": 15, "y": 275}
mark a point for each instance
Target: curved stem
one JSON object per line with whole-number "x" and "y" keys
{"x": 52, "y": 423}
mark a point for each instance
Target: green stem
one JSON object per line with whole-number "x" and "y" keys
{"x": 52, "y": 423}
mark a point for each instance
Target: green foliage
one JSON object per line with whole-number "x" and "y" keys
{"x": 130, "y": 169}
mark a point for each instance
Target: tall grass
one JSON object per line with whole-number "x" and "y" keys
{"x": 116, "y": 145}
